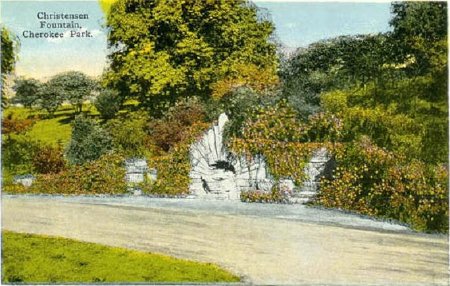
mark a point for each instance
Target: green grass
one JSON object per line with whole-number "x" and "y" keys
{"x": 49, "y": 130}
{"x": 57, "y": 129}
{"x": 36, "y": 258}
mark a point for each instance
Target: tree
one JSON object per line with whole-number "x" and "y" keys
{"x": 108, "y": 103}
{"x": 50, "y": 97}
{"x": 340, "y": 62}
{"x": 162, "y": 50}
{"x": 88, "y": 142}
{"x": 27, "y": 91}
{"x": 417, "y": 28}
{"x": 75, "y": 87}
{"x": 8, "y": 55}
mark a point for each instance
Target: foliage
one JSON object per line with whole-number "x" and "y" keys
{"x": 61, "y": 260}
{"x": 166, "y": 49}
{"x": 8, "y": 58}
{"x": 49, "y": 159}
{"x": 402, "y": 119}
{"x": 174, "y": 127}
{"x": 88, "y": 141}
{"x": 242, "y": 103}
{"x": 18, "y": 154}
{"x": 284, "y": 141}
{"x": 276, "y": 195}
{"x": 50, "y": 97}
{"x": 73, "y": 86}
{"x": 173, "y": 173}
{"x": 331, "y": 64}
{"x": 174, "y": 166}
{"x": 128, "y": 134}
{"x": 373, "y": 181}
{"x": 245, "y": 75}
{"x": 417, "y": 28}
{"x": 11, "y": 125}
{"x": 102, "y": 176}
{"x": 108, "y": 103}
{"x": 27, "y": 91}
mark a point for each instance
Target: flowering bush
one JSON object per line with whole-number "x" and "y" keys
{"x": 373, "y": 181}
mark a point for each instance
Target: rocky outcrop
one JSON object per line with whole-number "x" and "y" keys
{"x": 217, "y": 173}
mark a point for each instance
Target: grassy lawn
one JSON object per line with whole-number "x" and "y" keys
{"x": 47, "y": 130}
{"x": 36, "y": 258}
{"x": 57, "y": 129}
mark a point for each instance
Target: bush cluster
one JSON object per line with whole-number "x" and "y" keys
{"x": 174, "y": 127}
{"x": 276, "y": 195}
{"x": 373, "y": 181}
{"x": 174, "y": 166}
{"x": 88, "y": 142}
{"x": 129, "y": 135}
{"x": 18, "y": 154}
{"x": 103, "y": 176}
{"x": 49, "y": 159}
{"x": 276, "y": 133}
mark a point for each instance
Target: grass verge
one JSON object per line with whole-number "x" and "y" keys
{"x": 28, "y": 258}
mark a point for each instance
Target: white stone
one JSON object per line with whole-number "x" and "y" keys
{"x": 24, "y": 180}
{"x": 216, "y": 173}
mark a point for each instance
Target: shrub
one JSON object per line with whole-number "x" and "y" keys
{"x": 108, "y": 103}
{"x": 276, "y": 133}
{"x": 128, "y": 134}
{"x": 174, "y": 127}
{"x": 276, "y": 195}
{"x": 49, "y": 159}
{"x": 11, "y": 125}
{"x": 18, "y": 153}
{"x": 373, "y": 181}
{"x": 88, "y": 142}
{"x": 174, "y": 166}
{"x": 103, "y": 176}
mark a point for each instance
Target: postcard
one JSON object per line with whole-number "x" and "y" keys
{"x": 224, "y": 142}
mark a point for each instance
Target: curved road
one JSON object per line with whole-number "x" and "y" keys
{"x": 265, "y": 244}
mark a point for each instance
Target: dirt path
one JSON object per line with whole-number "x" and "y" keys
{"x": 266, "y": 244}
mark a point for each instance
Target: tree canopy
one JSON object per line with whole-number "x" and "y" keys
{"x": 74, "y": 87}
{"x": 165, "y": 49}
{"x": 27, "y": 91}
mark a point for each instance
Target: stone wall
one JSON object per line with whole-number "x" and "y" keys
{"x": 137, "y": 171}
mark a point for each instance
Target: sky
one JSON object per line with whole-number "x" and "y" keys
{"x": 297, "y": 24}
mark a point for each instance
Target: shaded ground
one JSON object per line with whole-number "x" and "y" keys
{"x": 268, "y": 244}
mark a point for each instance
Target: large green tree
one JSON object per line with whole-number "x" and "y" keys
{"x": 74, "y": 86}
{"x": 164, "y": 49}
{"x": 27, "y": 91}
